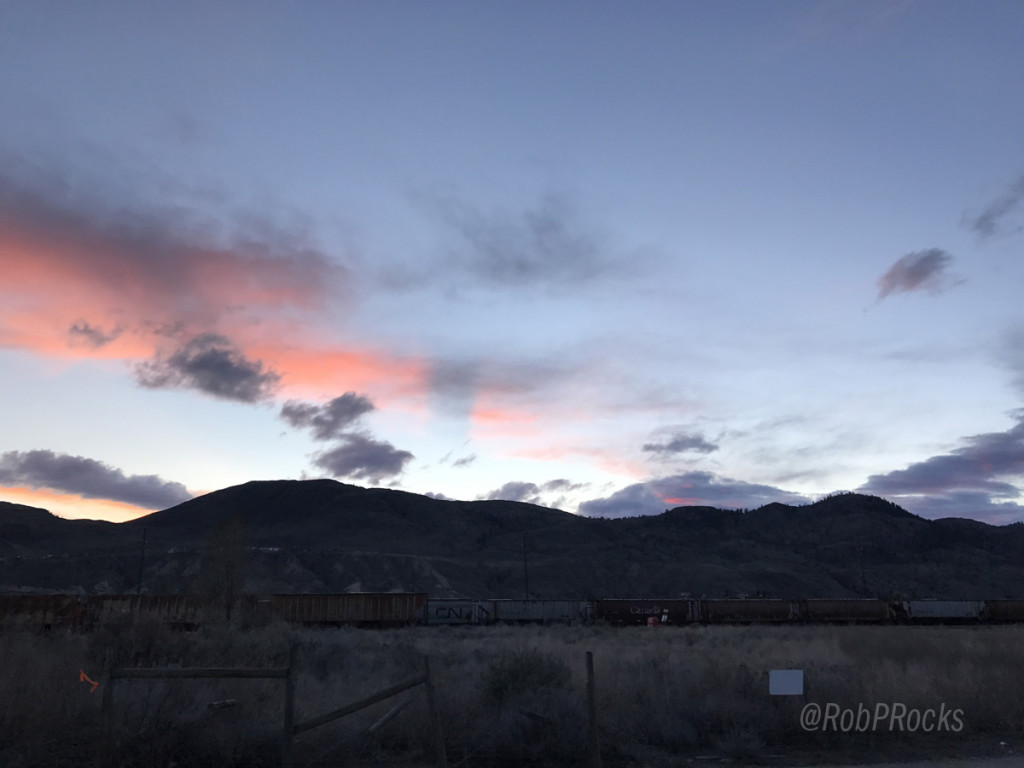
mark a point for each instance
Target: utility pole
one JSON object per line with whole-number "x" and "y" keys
{"x": 142, "y": 560}
{"x": 526, "y": 575}
{"x": 863, "y": 582}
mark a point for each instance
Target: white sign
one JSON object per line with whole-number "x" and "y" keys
{"x": 786, "y": 682}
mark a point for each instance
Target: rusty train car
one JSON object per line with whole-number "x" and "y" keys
{"x": 44, "y": 611}
{"x": 625, "y": 612}
{"x": 390, "y": 609}
{"x": 399, "y": 609}
{"x": 189, "y": 612}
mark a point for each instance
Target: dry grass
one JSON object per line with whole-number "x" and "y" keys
{"x": 508, "y": 695}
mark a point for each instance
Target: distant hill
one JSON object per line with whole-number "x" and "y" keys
{"x": 326, "y": 536}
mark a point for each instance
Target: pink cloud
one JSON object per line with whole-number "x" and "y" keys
{"x": 141, "y": 286}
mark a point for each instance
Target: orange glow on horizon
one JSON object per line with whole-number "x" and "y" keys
{"x": 72, "y": 507}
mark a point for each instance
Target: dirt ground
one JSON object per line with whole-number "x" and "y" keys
{"x": 976, "y": 752}
{"x": 987, "y": 752}
{"x": 1014, "y": 761}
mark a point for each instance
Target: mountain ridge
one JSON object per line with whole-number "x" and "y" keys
{"x": 326, "y": 536}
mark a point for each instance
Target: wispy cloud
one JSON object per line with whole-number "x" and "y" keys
{"x": 543, "y": 245}
{"x": 1012, "y": 354}
{"x": 988, "y": 223}
{"x": 88, "y": 478}
{"x": 653, "y": 496}
{"x": 677, "y": 442}
{"x": 82, "y": 333}
{"x": 919, "y": 270}
{"x": 212, "y": 364}
{"x": 846, "y": 22}
{"x": 156, "y": 263}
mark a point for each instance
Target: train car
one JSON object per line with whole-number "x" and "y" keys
{"x": 1003, "y": 611}
{"x": 43, "y": 611}
{"x": 944, "y": 611}
{"x": 176, "y": 611}
{"x": 357, "y": 608}
{"x": 443, "y": 611}
{"x": 758, "y": 611}
{"x": 540, "y": 611}
{"x": 846, "y": 611}
{"x": 626, "y": 612}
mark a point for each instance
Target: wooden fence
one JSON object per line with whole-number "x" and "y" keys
{"x": 289, "y": 729}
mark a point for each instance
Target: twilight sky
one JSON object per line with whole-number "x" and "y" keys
{"x": 608, "y": 257}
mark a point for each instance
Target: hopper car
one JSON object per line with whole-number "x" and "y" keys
{"x": 401, "y": 609}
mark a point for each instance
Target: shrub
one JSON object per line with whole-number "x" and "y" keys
{"x": 514, "y": 673}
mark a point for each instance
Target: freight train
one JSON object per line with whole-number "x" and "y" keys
{"x": 393, "y": 609}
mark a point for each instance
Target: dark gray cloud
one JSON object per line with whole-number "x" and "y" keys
{"x": 210, "y": 363}
{"x": 681, "y": 442}
{"x": 517, "y": 490}
{"x": 88, "y": 478}
{"x": 361, "y": 457}
{"x": 987, "y": 223}
{"x": 563, "y": 485}
{"x": 653, "y": 497}
{"x": 549, "y": 494}
{"x": 982, "y": 466}
{"x": 465, "y": 461}
{"x": 328, "y": 420}
{"x": 355, "y": 454}
{"x": 970, "y": 504}
{"x": 84, "y": 334}
{"x": 919, "y": 270}
{"x": 544, "y": 245}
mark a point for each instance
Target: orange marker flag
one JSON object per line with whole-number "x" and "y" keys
{"x": 84, "y": 678}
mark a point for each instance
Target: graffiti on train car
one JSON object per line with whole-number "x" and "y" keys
{"x": 189, "y": 612}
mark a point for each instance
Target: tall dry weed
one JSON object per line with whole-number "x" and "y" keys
{"x": 507, "y": 695}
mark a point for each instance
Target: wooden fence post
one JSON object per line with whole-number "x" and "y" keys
{"x": 435, "y": 717}
{"x": 106, "y": 750}
{"x": 288, "y": 726}
{"x": 595, "y": 744}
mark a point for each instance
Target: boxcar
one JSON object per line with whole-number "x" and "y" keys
{"x": 623, "y": 612}
{"x": 750, "y": 611}
{"x": 539, "y": 611}
{"x": 177, "y": 611}
{"x": 356, "y": 608}
{"x": 997, "y": 611}
{"x": 852, "y": 611}
{"x": 44, "y": 611}
{"x": 938, "y": 611}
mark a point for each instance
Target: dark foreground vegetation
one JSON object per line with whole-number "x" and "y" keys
{"x": 507, "y": 695}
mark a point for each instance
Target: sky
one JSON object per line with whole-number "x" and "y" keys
{"x": 606, "y": 257}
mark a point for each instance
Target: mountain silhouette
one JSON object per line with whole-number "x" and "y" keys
{"x": 326, "y": 536}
